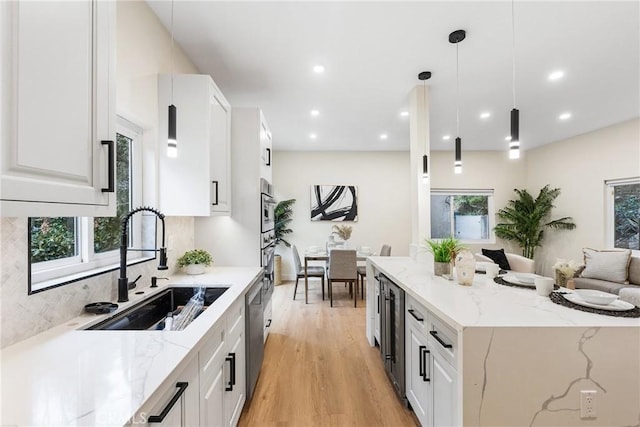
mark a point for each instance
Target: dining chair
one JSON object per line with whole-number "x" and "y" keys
{"x": 343, "y": 268}
{"x": 362, "y": 270}
{"x": 312, "y": 271}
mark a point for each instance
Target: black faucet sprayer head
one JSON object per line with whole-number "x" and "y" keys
{"x": 163, "y": 259}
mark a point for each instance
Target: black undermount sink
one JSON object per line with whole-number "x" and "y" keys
{"x": 150, "y": 313}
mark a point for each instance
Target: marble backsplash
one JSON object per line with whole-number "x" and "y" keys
{"x": 23, "y": 315}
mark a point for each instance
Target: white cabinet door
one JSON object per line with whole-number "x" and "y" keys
{"x": 220, "y": 154}
{"x": 444, "y": 380}
{"x": 235, "y": 398}
{"x": 58, "y": 105}
{"x": 418, "y": 375}
{"x": 266, "y": 148}
{"x": 212, "y": 399}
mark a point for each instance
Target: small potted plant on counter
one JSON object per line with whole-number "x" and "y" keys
{"x": 195, "y": 261}
{"x": 444, "y": 251}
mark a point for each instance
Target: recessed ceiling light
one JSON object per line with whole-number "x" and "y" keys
{"x": 564, "y": 116}
{"x": 556, "y": 75}
{"x": 507, "y": 138}
{"x": 313, "y": 136}
{"x": 319, "y": 69}
{"x": 315, "y": 113}
{"x": 446, "y": 137}
{"x": 485, "y": 115}
{"x": 404, "y": 114}
{"x": 384, "y": 136}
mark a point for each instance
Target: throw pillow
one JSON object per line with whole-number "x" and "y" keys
{"x": 610, "y": 265}
{"x": 498, "y": 257}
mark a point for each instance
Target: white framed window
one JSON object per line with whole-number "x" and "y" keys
{"x": 623, "y": 213}
{"x": 63, "y": 250}
{"x": 466, "y": 215}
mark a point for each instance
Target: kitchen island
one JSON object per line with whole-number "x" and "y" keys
{"x": 517, "y": 358}
{"x": 75, "y": 377}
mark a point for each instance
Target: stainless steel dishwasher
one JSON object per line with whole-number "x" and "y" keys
{"x": 255, "y": 334}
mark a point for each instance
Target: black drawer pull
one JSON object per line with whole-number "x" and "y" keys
{"x": 231, "y": 358}
{"x": 421, "y": 360}
{"x": 425, "y": 362}
{"x": 442, "y": 343}
{"x": 182, "y": 386}
{"x": 269, "y": 323}
{"x": 268, "y": 157}
{"x": 216, "y": 202}
{"x": 112, "y": 167}
{"x": 412, "y": 312}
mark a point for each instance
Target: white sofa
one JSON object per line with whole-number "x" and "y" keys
{"x": 517, "y": 262}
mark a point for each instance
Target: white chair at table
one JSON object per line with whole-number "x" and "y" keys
{"x": 312, "y": 271}
{"x": 343, "y": 268}
{"x": 362, "y": 270}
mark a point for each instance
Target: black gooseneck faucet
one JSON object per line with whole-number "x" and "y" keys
{"x": 123, "y": 281}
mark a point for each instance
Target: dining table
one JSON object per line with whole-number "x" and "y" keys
{"x": 324, "y": 256}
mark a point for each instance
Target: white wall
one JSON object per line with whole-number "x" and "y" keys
{"x": 486, "y": 170}
{"x": 384, "y": 205}
{"x": 142, "y": 52}
{"x": 579, "y": 166}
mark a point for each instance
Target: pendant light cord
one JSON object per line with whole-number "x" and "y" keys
{"x": 171, "y": 24}
{"x": 457, "y": 92}
{"x": 513, "y": 50}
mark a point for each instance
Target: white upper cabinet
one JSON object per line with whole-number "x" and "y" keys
{"x": 57, "y": 79}
{"x": 266, "y": 149}
{"x": 197, "y": 182}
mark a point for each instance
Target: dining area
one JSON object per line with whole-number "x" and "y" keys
{"x": 334, "y": 263}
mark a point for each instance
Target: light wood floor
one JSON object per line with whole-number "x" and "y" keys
{"x": 319, "y": 369}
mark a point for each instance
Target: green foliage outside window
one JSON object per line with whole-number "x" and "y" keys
{"x": 471, "y": 205}
{"x": 627, "y": 216}
{"x": 52, "y": 238}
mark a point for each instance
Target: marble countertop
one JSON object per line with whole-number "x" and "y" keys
{"x": 73, "y": 377}
{"x": 485, "y": 303}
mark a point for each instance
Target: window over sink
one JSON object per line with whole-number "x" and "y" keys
{"x": 67, "y": 249}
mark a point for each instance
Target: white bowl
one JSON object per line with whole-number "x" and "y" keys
{"x": 596, "y": 297}
{"x": 525, "y": 277}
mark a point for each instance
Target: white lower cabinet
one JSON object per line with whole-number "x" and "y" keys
{"x": 431, "y": 379}
{"x": 222, "y": 371}
{"x": 176, "y": 404}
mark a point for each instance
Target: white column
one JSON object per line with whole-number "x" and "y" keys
{"x": 419, "y": 145}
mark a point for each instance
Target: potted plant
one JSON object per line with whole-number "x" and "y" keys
{"x": 195, "y": 261}
{"x": 525, "y": 218}
{"x": 283, "y": 214}
{"x": 342, "y": 231}
{"x": 444, "y": 251}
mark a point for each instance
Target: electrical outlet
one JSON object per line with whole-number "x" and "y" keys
{"x": 588, "y": 404}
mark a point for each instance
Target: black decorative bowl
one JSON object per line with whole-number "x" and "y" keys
{"x": 100, "y": 307}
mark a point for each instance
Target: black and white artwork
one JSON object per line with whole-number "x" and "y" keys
{"x": 334, "y": 203}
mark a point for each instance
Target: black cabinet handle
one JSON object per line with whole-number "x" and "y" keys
{"x": 378, "y": 303}
{"x": 269, "y": 323}
{"x": 231, "y": 358}
{"x": 182, "y": 386}
{"x": 442, "y": 343}
{"x": 425, "y": 362}
{"x": 421, "y": 360}
{"x": 412, "y": 312}
{"x": 268, "y": 157}
{"x": 216, "y": 193}
{"x": 112, "y": 167}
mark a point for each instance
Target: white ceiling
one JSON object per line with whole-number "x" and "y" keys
{"x": 261, "y": 54}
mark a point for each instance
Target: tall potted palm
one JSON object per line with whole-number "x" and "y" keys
{"x": 525, "y": 219}
{"x": 283, "y": 214}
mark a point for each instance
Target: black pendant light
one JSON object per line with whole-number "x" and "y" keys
{"x": 172, "y": 139}
{"x": 424, "y": 76}
{"x": 456, "y": 37}
{"x": 514, "y": 141}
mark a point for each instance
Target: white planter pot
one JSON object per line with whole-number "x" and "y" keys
{"x": 194, "y": 269}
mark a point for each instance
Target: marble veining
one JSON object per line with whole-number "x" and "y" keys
{"x": 485, "y": 374}
{"x": 587, "y": 335}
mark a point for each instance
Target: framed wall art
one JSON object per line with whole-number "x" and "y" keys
{"x": 334, "y": 203}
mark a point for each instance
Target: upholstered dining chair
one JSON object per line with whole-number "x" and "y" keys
{"x": 312, "y": 271}
{"x": 362, "y": 269}
{"x": 343, "y": 268}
